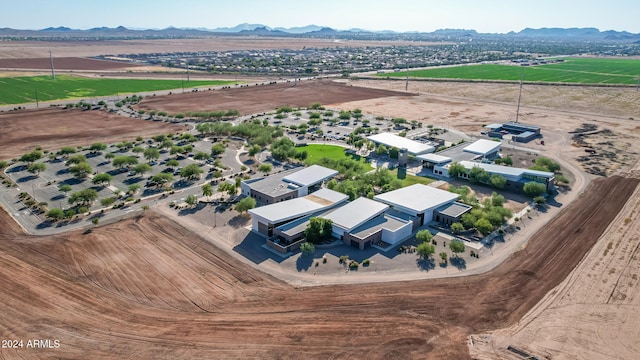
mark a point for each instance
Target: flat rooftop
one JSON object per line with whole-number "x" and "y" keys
{"x": 434, "y": 158}
{"x": 320, "y": 200}
{"x": 372, "y": 226}
{"x": 454, "y": 209}
{"x": 509, "y": 172}
{"x": 310, "y": 175}
{"x": 392, "y": 140}
{"x": 356, "y": 213}
{"x": 520, "y": 126}
{"x": 272, "y": 185}
{"x": 298, "y": 226}
{"x": 417, "y": 197}
{"x": 483, "y": 147}
{"x": 457, "y": 153}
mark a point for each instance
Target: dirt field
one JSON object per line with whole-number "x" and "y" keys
{"x": 151, "y": 288}
{"x": 37, "y": 49}
{"x": 254, "y": 99}
{"x": 52, "y": 128}
{"x": 63, "y": 63}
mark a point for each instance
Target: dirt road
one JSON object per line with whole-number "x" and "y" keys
{"x": 151, "y": 288}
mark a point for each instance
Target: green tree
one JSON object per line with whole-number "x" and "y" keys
{"x": 457, "y": 247}
{"x": 55, "y": 214}
{"x": 254, "y": 149}
{"x": 65, "y": 188}
{"x": 123, "y": 161}
{"x": 66, "y": 150}
{"x": 101, "y": 179}
{"x": 36, "y": 168}
{"x": 425, "y": 250}
{"x": 109, "y": 156}
{"x": 540, "y": 200}
{"x": 393, "y": 152}
{"x": 81, "y": 170}
{"x": 265, "y": 168}
{"x": 318, "y": 230}
{"x": 443, "y": 256}
{"x": 498, "y": 181}
{"x": 207, "y": 190}
{"x": 83, "y": 197}
{"x": 162, "y": 178}
{"x": 95, "y": 221}
{"x": 3, "y": 164}
{"x": 456, "y": 169}
{"x": 191, "y": 200}
{"x": 497, "y": 199}
{"x": 137, "y": 149}
{"x": 484, "y": 226}
{"x": 96, "y": 147}
{"x": 457, "y": 227}
{"x": 76, "y": 159}
{"x": 307, "y": 248}
{"x": 245, "y": 204}
{"x": 191, "y": 172}
{"x": 381, "y": 149}
{"x": 201, "y": 156}
{"x": 218, "y": 149}
{"x": 533, "y": 188}
{"x": 31, "y": 157}
{"x": 133, "y": 188}
{"x": 141, "y": 168}
{"x": 424, "y": 236}
{"x": 151, "y": 153}
{"x": 172, "y": 163}
{"x": 227, "y": 187}
{"x": 545, "y": 164}
{"x": 479, "y": 175}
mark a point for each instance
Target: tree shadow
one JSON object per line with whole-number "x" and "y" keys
{"x": 26, "y": 178}
{"x": 72, "y": 181}
{"x": 191, "y": 210}
{"x": 17, "y": 168}
{"x": 458, "y": 262}
{"x": 132, "y": 180}
{"x": 62, "y": 171}
{"x": 58, "y": 197}
{"x": 238, "y": 221}
{"x": 425, "y": 264}
{"x": 304, "y": 262}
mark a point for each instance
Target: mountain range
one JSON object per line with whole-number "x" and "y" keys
{"x": 582, "y": 34}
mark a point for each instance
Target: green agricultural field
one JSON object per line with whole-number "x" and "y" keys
{"x": 573, "y": 70}
{"x": 20, "y": 90}
{"x": 315, "y": 152}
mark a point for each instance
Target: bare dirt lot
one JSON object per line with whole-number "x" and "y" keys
{"x": 253, "y": 99}
{"x": 53, "y": 128}
{"x": 65, "y": 63}
{"x": 150, "y": 288}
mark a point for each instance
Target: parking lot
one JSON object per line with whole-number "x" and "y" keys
{"x": 45, "y": 187}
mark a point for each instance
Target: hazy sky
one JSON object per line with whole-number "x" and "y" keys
{"x": 497, "y": 16}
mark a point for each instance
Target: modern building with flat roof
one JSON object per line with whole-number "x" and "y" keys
{"x": 417, "y": 200}
{"x": 516, "y": 177}
{"x": 392, "y": 140}
{"x": 265, "y": 219}
{"x": 354, "y": 214}
{"x": 286, "y": 185}
{"x": 477, "y": 150}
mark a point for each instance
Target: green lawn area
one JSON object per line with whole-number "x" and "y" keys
{"x": 572, "y": 70}
{"x": 412, "y": 179}
{"x": 315, "y": 152}
{"x": 20, "y": 90}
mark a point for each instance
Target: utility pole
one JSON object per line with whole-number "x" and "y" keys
{"x": 406, "y": 84}
{"x": 187, "y": 71}
{"x": 53, "y": 74}
{"x": 519, "y": 95}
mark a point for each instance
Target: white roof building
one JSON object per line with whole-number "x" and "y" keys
{"x": 417, "y": 200}
{"x": 484, "y": 147}
{"x": 510, "y": 173}
{"x": 354, "y": 214}
{"x": 310, "y": 175}
{"x": 391, "y": 140}
{"x": 278, "y": 213}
